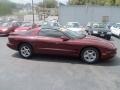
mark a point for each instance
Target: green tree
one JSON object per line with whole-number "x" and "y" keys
{"x": 48, "y": 3}
{"x": 95, "y": 2}
{"x": 76, "y": 2}
{"x": 109, "y": 2}
{"x": 6, "y": 7}
{"x": 117, "y": 2}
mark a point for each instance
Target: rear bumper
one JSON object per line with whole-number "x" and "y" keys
{"x": 3, "y": 34}
{"x": 12, "y": 46}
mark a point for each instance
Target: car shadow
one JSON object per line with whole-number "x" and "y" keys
{"x": 50, "y": 58}
{"x": 65, "y": 59}
{"x": 111, "y": 62}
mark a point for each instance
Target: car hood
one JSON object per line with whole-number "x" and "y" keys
{"x": 92, "y": 40}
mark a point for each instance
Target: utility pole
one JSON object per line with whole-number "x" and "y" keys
{"x": 43, "y": 10}
{"x": 33, "y": 12}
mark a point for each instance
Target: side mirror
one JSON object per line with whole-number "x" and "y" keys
{"x": 64, "y": 38}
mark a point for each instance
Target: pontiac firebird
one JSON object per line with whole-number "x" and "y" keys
{"x": 89, "y": 49}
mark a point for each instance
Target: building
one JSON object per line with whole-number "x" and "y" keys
{"x": 85, "y": 14}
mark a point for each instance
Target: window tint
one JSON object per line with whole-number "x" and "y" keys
{"x": 51, "y": 33}
{"x": 99, "y": 25}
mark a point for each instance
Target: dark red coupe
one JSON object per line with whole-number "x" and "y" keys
{"x": 90, "y": 49}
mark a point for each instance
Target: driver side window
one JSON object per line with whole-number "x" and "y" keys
{"x": 51, "y": 33}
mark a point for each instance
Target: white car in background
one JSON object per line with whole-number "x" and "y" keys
{"x": 75, "y": 26}
{"x": 115, "y": 29}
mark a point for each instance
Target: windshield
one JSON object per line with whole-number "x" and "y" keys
{"x": 26, "y": 24}
{"x": 99, "y": 25}
{"x": 74, "y": 34}
{"x": 50, "y": 25}
{"x": 73, "y": 25}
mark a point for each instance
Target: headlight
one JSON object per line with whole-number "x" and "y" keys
{"x": 95, "y": 32}
{"x": 109, "y": 33}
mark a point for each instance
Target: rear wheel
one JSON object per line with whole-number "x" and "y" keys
{"x": 25, "y": 50}
{"x": 90, "y": 55}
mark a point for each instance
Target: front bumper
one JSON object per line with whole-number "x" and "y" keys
{"x": 108, "y": 54}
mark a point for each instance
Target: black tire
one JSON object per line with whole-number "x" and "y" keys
{"x": 95, "y": 53}
{"x": 109, "y": 37}
{"x": 119, "y": 36}
{"x": 25, "y": 50}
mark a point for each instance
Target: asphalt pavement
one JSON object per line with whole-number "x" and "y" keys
{"x": 44, "y": 72}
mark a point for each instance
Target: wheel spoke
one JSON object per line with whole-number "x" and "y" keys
{"x": 86, "y": 55}
{"x": 24, "y": 47}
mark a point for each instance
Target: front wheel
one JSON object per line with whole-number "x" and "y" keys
{"x": 90, "y": 55}
{"x": 25, "y": 50}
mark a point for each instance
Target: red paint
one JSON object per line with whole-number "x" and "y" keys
{"x": 7, "y": 31}
{"x": 49, "y": 45}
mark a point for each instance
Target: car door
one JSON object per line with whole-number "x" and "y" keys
{"x": 50, "y": 42}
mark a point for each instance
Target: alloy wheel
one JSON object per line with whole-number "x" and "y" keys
{"x": 90, "y": 55}
{"x": 25, "y": 51}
